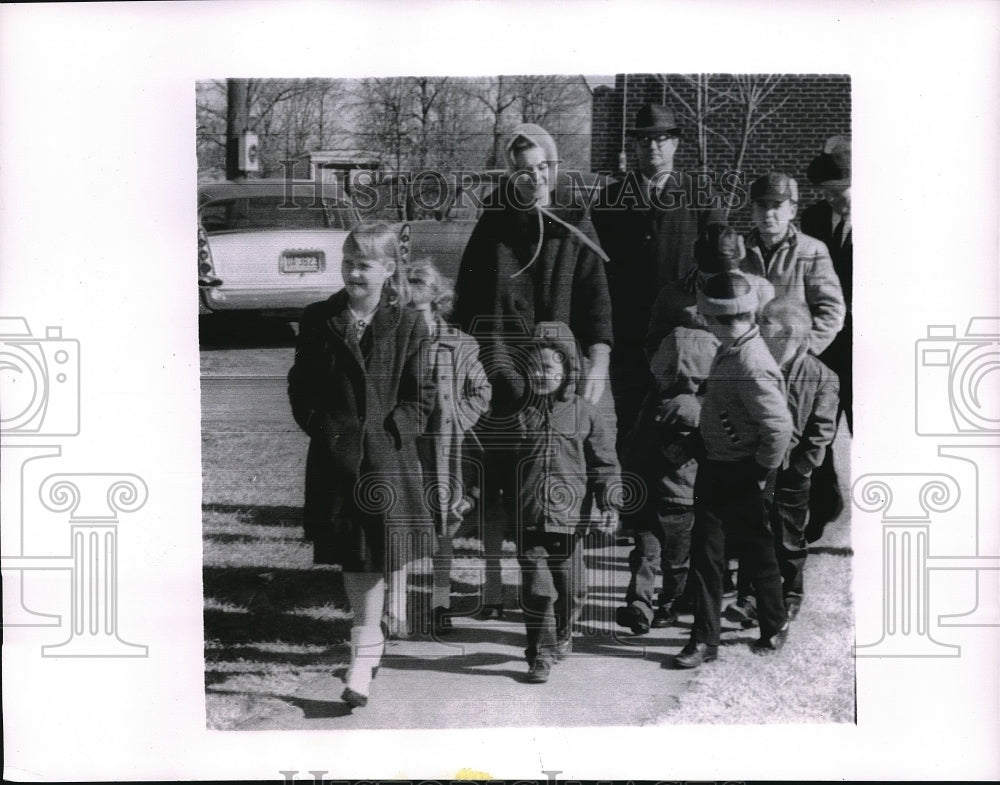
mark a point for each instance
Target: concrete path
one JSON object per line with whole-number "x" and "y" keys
{"x": 474, "y": 678}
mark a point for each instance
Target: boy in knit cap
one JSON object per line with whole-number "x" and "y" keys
{"x": 745, "y": 428}
{"x": 659, "y": 448}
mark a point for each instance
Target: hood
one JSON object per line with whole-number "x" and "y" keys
{"x": 535, "y": 134}
{"x": 557, "y": 335}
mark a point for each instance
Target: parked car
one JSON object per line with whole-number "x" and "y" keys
{"x": 263, "y": 250}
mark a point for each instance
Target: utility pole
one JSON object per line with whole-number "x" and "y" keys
{"x": 237, "y": 121}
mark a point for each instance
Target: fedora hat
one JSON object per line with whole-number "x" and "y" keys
{"x": 653, "y": 119}
{"x": 832, "y": 167}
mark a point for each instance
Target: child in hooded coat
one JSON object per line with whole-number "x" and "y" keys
{"x": 565, "y": 448}
{"x": 532, "y": 257}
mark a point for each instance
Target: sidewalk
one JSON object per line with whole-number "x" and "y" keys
{"x": 612, "y": 677}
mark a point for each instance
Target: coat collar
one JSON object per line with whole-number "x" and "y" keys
{"x": 341, "y": 322}
{"x": 791, "y": 239}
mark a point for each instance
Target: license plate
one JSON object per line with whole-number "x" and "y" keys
{"x": 303, "y": 262}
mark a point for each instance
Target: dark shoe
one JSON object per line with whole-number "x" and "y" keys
{"x": 538, "y": 672}
{"x": 793, "y": 604}
{"x": 694, "y": 654}
{"x": 563, "y": 649}
{"x": 631, "y": 617}
{"x": 683, "y": 604}
{"x": 664, "y": 617}
{"x": 743, "y": 611}
{"x": 491, "y": 613}
{"x": 772, "y": 644}
{"x": 353, "y": 699}
{"x": 441, "y": 621}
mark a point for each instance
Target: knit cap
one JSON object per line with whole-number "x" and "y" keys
{"x": 727, "y": 294}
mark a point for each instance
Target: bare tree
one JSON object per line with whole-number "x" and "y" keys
{"x": 552, "y": 101}
{"x": 753, "y": 95}
{"x": 707, "y": 100}
{"x": 497, "y": 96}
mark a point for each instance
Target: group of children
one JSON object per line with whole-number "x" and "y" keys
{"x": 740, "y": 414}
{"x": 389, "y": 393}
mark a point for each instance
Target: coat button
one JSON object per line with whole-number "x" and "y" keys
{"x": 361, "y": 418}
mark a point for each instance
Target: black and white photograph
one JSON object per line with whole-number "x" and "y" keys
{"x": 520, "y": 495}
{"x": 458, "y": 391}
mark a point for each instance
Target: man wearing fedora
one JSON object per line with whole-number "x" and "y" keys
{"x": 647, "y": 224}
{"x": 830, "y": 222}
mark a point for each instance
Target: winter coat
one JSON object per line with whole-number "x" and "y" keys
{"x": 649, "y": 245}
{"x": 813, "y": 402}
{"x": 565, "y": 448}
{"x": 461, "y": 396}
{"x": 817, "y": 221}
{"x": 362, "y": 417}
{"x": 499, "y": 302}
{"x": 662, "y": 449}
{"x": 800, "y": 266}
{"x": 744, "y": 414}
{"x": 676, "y": 306}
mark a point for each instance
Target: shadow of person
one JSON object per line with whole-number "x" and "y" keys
{"x": 479, "y": 664}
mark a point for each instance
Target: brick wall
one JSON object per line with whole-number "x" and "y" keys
{"x": 815, "y": 107}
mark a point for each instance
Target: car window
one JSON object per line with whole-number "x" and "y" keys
{"x": 273, "y": 212}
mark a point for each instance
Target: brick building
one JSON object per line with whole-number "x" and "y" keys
{"x": 812, "y": 108}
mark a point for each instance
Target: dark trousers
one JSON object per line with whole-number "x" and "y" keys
{"x": 630, "y": 380}
{"x": 553, "y": 589}
{"x": 730, "y": 505}
{"x": 661, "y": 548}
{"x": 789, "y": 516}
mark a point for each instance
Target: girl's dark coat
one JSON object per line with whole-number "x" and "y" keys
{"x": 362, "y": 419}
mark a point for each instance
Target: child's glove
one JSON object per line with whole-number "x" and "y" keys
{"x": 457, "y": 514}
{"x": 609, "y": 521}
{"x": 682, "y": 412}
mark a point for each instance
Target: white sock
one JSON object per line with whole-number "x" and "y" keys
{"x": 367, "y": 645}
